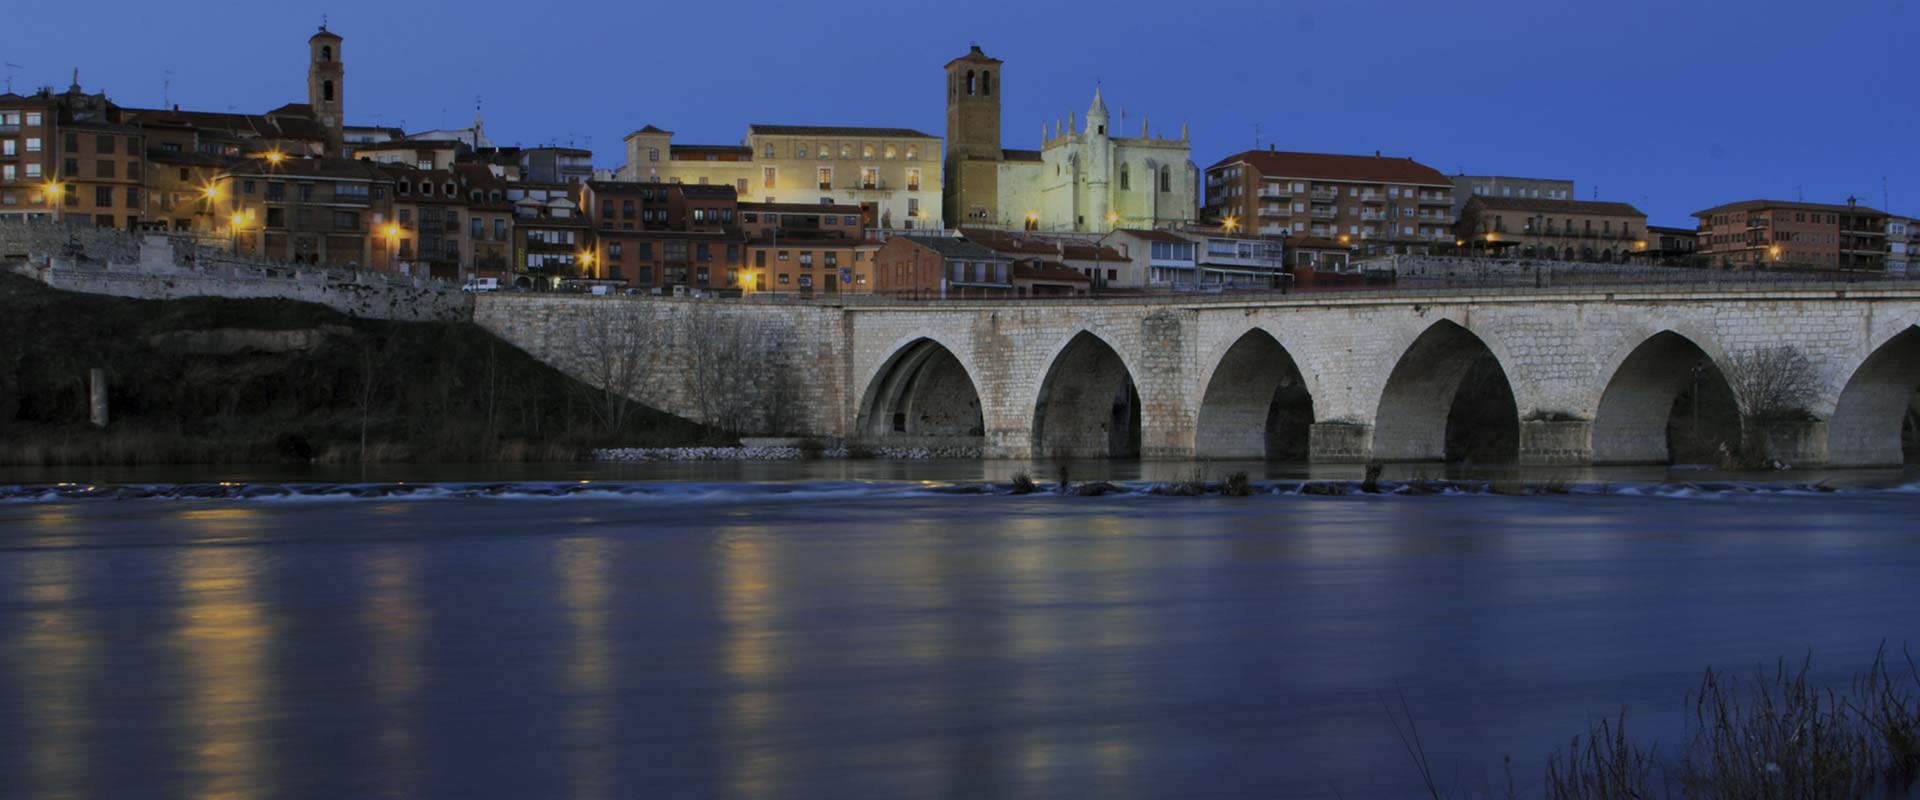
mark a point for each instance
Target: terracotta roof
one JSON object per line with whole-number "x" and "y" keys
{"x": 1155, "y": 235}
{"x": 833, "y": 130}
{"x": 1006, "y": 243}
{"x": 1328, "y": 166}
{"x": 1545, "y": 206}
{"x": 711, "y": 148}
{"x": 951, "y": 247}
{"x": 1020, "y": 155}
{"x": 280, "y": 125}
{"x": 1034, "y": 270}
{"x": 1753, "y": 205}
{"x": 647, "y": 129}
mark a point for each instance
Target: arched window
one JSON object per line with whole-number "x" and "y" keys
{"x": 1166, "y": 179}
{"x": 866, "y": 150}
{"x": 1126, "y": 178}
{"x": 326, "y": 91}
{"x": 970, "y": 82}
{"x": 913, "y": 152}
{"x": 769, "y": 149}
{"x": 326, "y": 53}
{"x": 802, "y": 153}
{"x": 986, "y": 83}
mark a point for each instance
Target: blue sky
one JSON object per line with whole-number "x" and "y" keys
{"x": 1671, "y": 106}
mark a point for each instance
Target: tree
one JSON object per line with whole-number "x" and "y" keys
{"x": 1773, "y": 383}
{"x": 624, "y": 344}
{"x": 739, "y": 374}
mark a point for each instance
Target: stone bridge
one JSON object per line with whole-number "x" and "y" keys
{"x": 1590, "y": 375}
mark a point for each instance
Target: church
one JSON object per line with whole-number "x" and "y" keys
{"x": 1085, "y": 177}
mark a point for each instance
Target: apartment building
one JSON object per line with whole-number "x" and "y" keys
{"x": 1769, "y": 233}
{"x": 941, "y": 267}
{"x": 1380, "y": 204}
{"x": 1470, "y": 186}
{"x": 1567, "y": 230}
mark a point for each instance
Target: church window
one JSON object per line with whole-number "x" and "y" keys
{"x": 986, "y": 83}
{"x": 326, "y": 91}
{"x": 1126, "y": 178}
{"x": 653, "y": 154}
{"x": 326, "y": 54}
{"x": 970, "y": 82}
{"x": 1166, "y": 179}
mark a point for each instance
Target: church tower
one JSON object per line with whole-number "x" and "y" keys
{"x": 1099, "y": 153}
{"x": 326, "y": 87}
{"x": 973, "y": 140}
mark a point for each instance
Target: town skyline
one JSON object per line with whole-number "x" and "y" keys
{"x": 1617, "y": 151}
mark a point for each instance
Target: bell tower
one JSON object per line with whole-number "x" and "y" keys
{"x": 326, "y": 86}
{"x": 973, "y": 140}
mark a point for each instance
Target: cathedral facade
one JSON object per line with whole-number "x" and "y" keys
{"x": 1085, "y": 177}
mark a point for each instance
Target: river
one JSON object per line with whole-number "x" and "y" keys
{"x": 866, "y": 629}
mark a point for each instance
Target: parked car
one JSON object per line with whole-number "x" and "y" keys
{"x": 482, "y": 285}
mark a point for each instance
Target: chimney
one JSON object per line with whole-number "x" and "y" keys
{"x": 1376, "y": 154}
{"x": 1269, "y": 147}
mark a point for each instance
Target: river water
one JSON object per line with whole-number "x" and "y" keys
{"x": 867, "y": 629}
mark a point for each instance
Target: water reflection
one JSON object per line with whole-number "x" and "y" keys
{"x": 396, "y": 620}
{"x": 56, "y": 651}
{"x": 747, "y": 556}
{"x": 586, "y": 586}
{"x": 223, "y": 637}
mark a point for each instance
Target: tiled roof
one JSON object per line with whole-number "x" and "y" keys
{"x": 1087, "y": 252}
{"x": 1035, "y": 270}
{"x": 707, "y": 190}
{"x": 1753, "y": 205}
{"x": 1005, "y": 242}
{"x": 647, "y": 129}
{"x": 1545, "y": 206}
{"x": 951, "y": 247}
{"x": 1328, "y": 166}
{"x": 278, "y": 126}
{"x": 831, "y": 130}
{"x": 346, "y": 168}
{"x": 1020, "y": 155}
{"x": 1155, "y": 235}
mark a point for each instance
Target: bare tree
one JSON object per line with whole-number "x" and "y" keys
{"x": 1773, "y": 383}
{"x": 739, "y": 376}
{"x": 622, "y": 349}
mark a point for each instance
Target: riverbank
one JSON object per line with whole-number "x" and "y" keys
{"x": 217, "y": 381}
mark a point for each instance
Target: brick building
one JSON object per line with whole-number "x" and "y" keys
{"x": 1760, "y": 233}
{"x": 1569, "y": 230}
{"x": 1380, "y": 204}
{"x": 940, "y": 267}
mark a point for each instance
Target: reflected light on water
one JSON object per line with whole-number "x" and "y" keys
{"x": 223, "y": 638}
{"x": 56, "y": 650}
{"x": 394, "y": 616}
{"x": 747, "y": 591}
{"x": 586, "y": 580}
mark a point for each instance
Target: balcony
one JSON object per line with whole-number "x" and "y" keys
{"x": 1325, "y": 195}
{"x": 1372, "y": 199}
{"x": 1275, "y": 192}
{"x": 1275, "y": 211}
{"x": 1323, "y": 213}
{"x": 1431, "y": 199}
{"x": 9, "y": 129}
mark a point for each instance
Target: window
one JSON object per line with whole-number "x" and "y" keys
{"x": 346, "y": 220}
{"x": 866, "y": 151}
{"x": 33, "y": 118}
{"x": 783, "y": 255}
{"x": 500, "y": 230}
{"x": 824, "y": 151}
{"x": 9, "y": 147}
{"x": 103, "y": 196}
{"x": 276, "y": 191}
{"x": 1126, "y": 178}
{"x": 477, "y": 229}
{"x": 644, "y": 251}
{"x": 7, "y": 173}
{"x": 103, "y": 145}
{"x": 800, "y": 152}
{"x": 768, "y": 177}
{"x": 892, "y": 151}
{"x": 759, "y": 258}
{"x": 615, "y": 250}
{"x": 742, "y": 187}
{"x": 769, "y": 150}
{"x": 1166, "y": 179}
{"x": 851, "y": 220}
{"x": 806, "y": 258}
{"x": 103, "y": 169}
{"x": 913, "y": 180}
{"x": 701, "y": 252}
{"x": 869, "y": 177}
{"x": 326, "y": 91}
{"x": 825, "y": 176}
{"x": 306, "y": 192}
{"x": 806, "y": 281}
{"x": 33, "y": 170}
{"x": 846, "y": 151}
{"x": 653, "y": 154}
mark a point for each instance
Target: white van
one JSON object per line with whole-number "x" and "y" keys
{"x": 482, "y": 285}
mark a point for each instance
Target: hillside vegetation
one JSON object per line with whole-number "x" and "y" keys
{"x": 209, "y": 380}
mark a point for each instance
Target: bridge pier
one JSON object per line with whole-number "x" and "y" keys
{"x": 1340, "y": 443}
{"x": 1562, "y": 442}
{"x": 1797, "y": 443}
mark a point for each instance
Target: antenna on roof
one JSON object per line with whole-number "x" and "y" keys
{"x": 166, "y": 88}
{"x": 11, "y": 68}
{"x": 1798, "y": 195}
{"x": 1256, "y": 136}
{"x": 323, "y": 21}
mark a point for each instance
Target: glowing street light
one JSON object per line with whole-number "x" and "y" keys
{"x": 212, "y": 192}
{"x": 234, "y": 223}
{"x": 393, "y": 243}
{"x": 1232, "y": 224}
{"x": 275, "y": 157}
{"x": 53, "y": 198}
{"x": 1033, "y": 220}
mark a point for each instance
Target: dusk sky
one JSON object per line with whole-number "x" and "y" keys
{"x": 1670, "y": 106}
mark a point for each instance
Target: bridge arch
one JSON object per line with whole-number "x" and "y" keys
{"x": 1665, "y": 400}
{"x": 1257, "y": 403}
{"x": 1447, "y": 398}
{"x": 1088, "y": 405}
{"x": 1874, "y": 416}
{"x": 922, "y": 395}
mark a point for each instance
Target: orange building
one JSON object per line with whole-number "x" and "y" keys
{"x": 1760, "y": 233}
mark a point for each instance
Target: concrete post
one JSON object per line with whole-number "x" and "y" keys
{"x": 97, "y": 397}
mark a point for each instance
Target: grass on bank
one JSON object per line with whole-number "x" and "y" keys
{"x": 373, "y": 390}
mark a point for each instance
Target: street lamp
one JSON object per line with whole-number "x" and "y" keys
{"x": 1232, "y": 224}
{"x": 1033, "y": 220}
{"x": 233, "y": 230}
{"x": 393, "y": 243}
{"x": 275, "y": 157}
{"x": 54, "y": 198}
{"x": 586, "y": 265}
